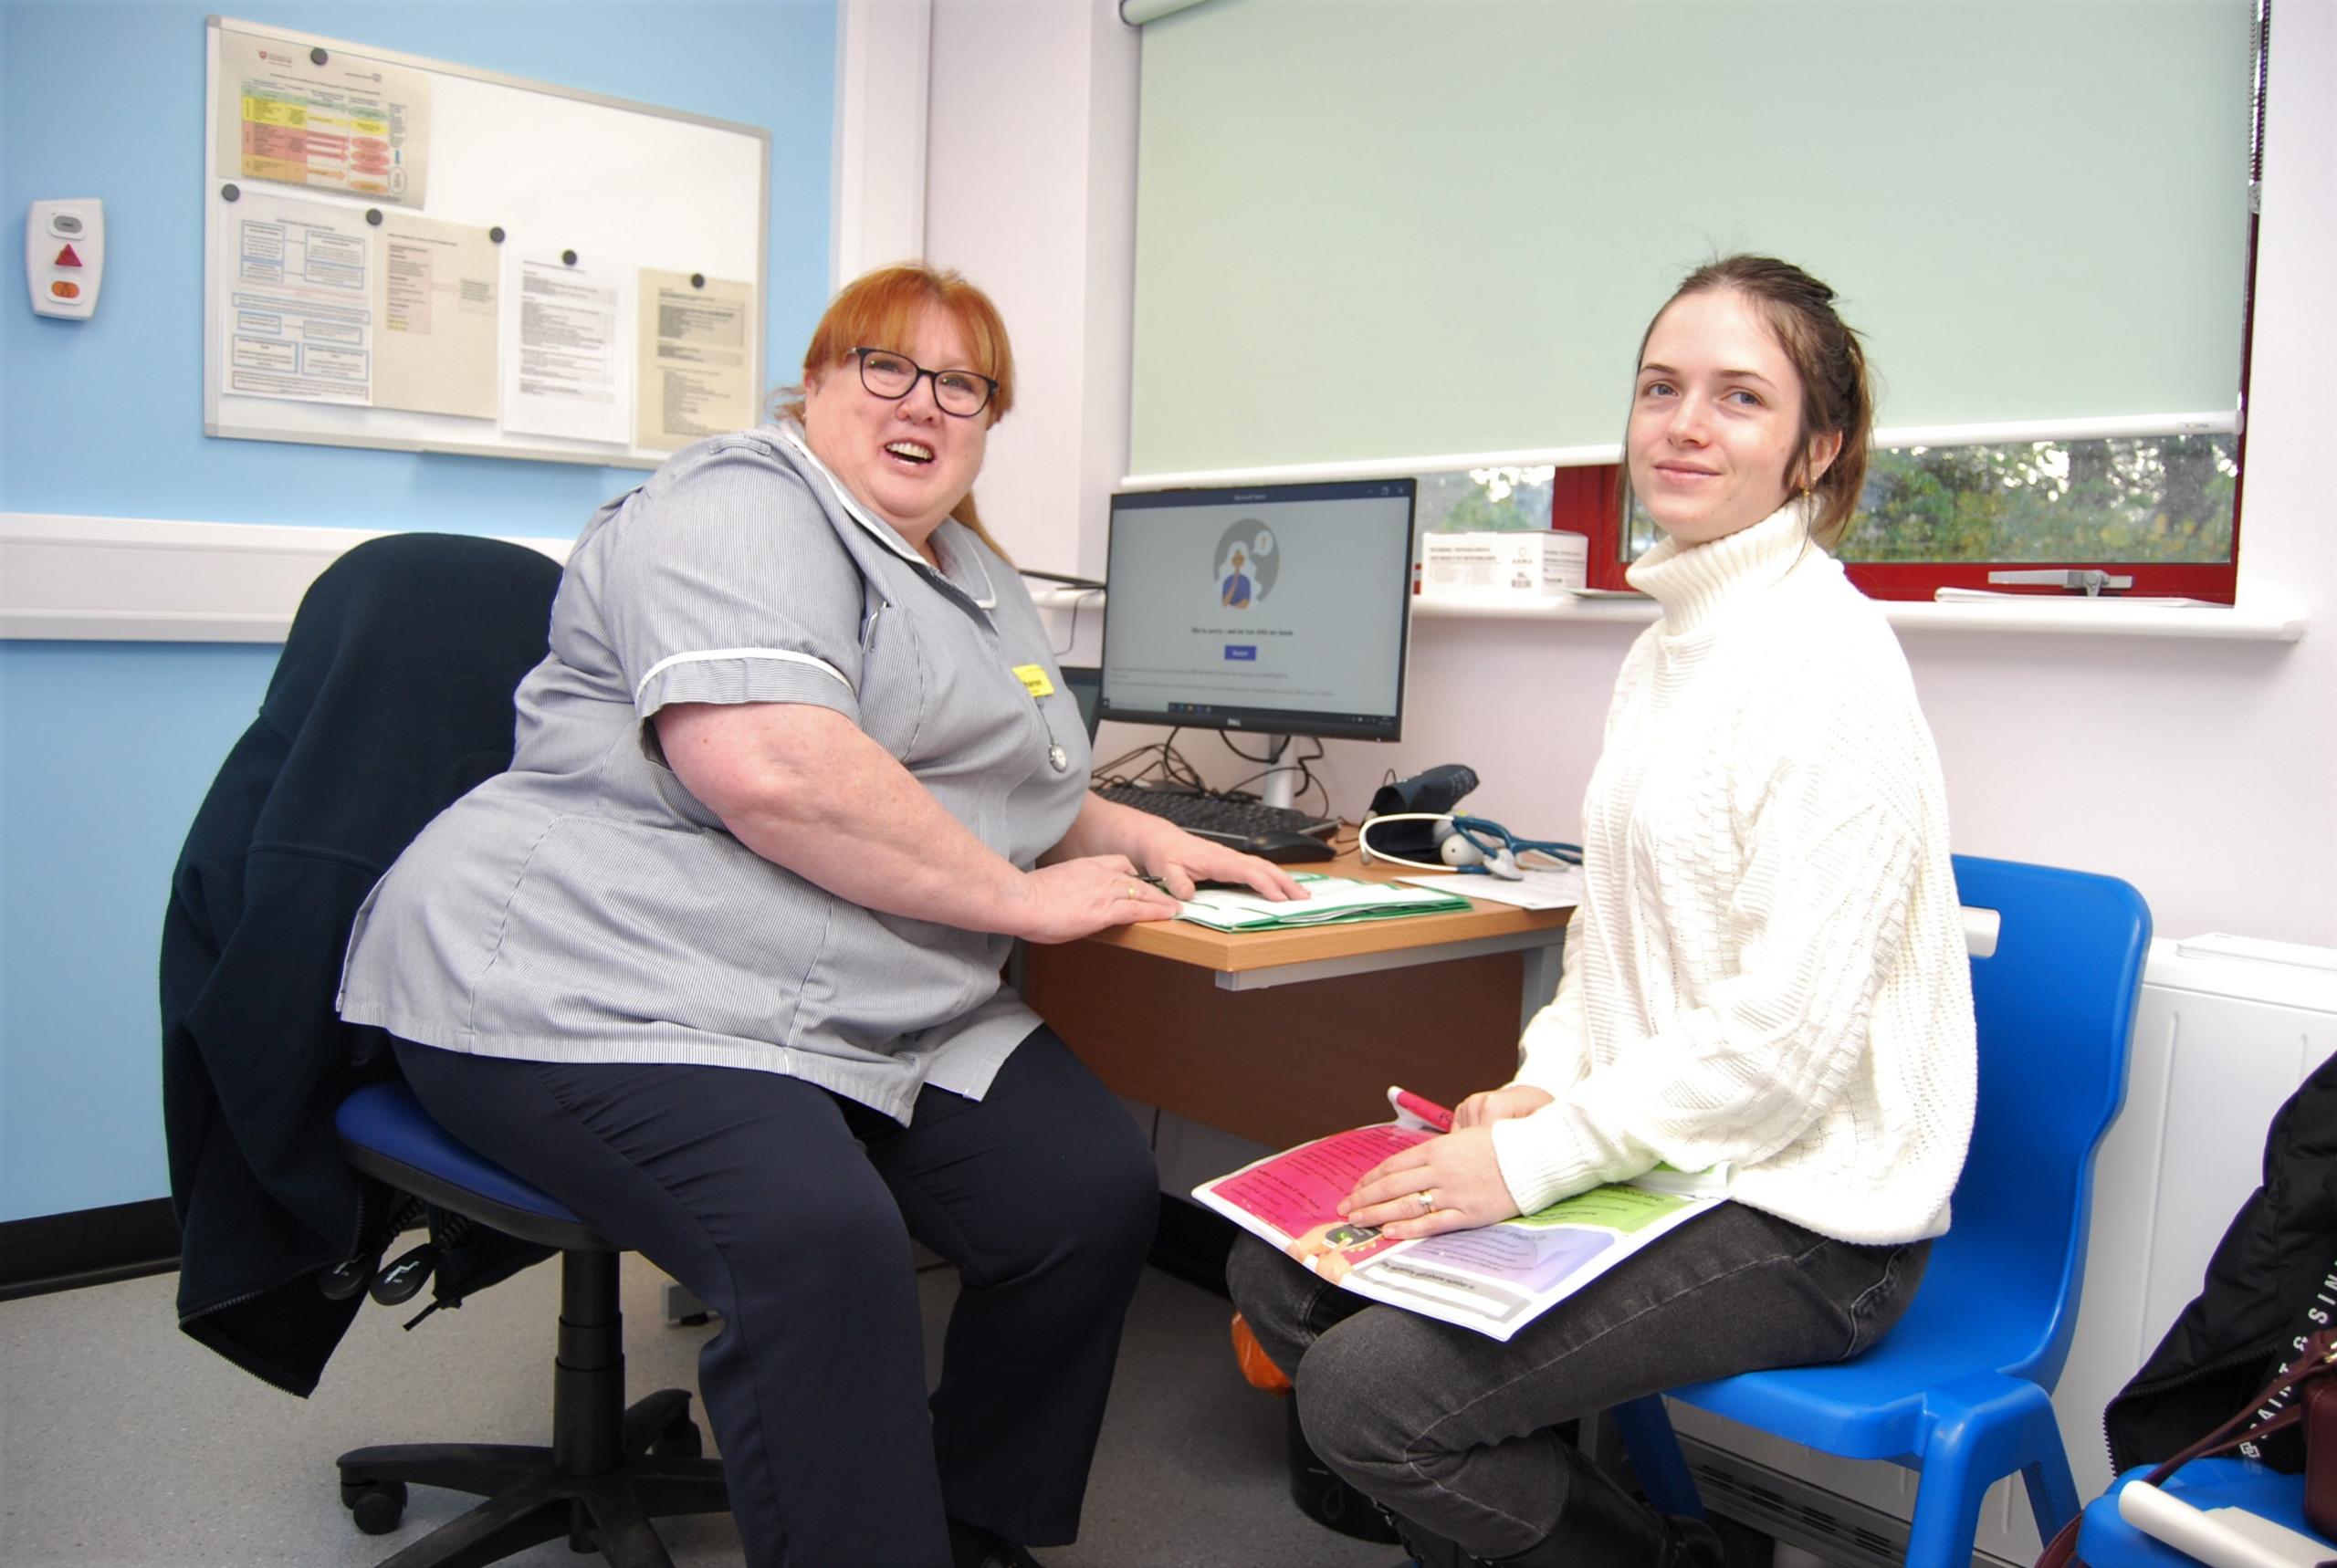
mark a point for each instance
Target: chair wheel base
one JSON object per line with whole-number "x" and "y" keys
{"x": 529, "y": 1500}
{"x": 377, "y": 1507}
{"x": 682, "y": 1440}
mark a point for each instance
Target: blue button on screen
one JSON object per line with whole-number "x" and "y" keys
{"x": 1243, "y": 650}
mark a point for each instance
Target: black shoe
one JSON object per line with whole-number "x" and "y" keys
{"x": 1428, "y": 1551}
{"x": 1693, "y": 1543}
{"x": 971, "y": 1546}
{"x": 1600, "y": 1525}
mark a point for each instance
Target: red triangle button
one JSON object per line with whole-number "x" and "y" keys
{"x": 65, "y": 258}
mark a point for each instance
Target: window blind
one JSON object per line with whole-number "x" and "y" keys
{"x": 1372, "y": 230}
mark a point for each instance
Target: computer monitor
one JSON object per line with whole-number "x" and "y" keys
{"x": 1278, "y": 609}
{"x": 1083, "y": 681}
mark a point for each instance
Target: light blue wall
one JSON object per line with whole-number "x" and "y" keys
{"x": 106, "y": 748}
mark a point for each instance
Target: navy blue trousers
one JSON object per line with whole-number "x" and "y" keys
{"x": 790, "y": 1211}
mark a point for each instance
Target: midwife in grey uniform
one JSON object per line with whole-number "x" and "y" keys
{"x": 717, "y": 962}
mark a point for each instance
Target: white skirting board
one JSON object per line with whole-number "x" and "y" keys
{"x": 2227, "y": 1030}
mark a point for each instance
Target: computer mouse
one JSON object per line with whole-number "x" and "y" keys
{"x": 1287, "y": 848}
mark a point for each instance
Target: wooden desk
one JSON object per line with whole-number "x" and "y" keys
{"x": 1279, "y": 1036}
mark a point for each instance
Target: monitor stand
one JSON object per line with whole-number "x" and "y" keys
{"x": 1279, "y": 787}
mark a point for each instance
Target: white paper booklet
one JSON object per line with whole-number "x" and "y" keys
{"x": 1494, "y": 1279}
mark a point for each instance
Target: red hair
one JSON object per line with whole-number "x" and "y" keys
{"x": 880, "y": 310}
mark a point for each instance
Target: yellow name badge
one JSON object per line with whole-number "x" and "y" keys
{"x": 1034, "y": 680}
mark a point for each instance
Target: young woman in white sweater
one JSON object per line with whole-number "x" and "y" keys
{"x": 1767, "y": 971}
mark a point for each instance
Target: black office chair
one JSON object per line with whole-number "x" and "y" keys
{"x": 608, "y": 1470}
{"x": 392, "y": 698}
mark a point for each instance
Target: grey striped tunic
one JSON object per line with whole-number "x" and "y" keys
{"x": 586, "y": 907}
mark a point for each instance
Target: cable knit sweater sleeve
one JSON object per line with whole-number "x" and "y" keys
{"x": 1768, "y": 966}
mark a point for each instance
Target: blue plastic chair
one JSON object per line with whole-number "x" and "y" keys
{"x": 2107, "y": 1541}
{"x": 1960, "y": 1389}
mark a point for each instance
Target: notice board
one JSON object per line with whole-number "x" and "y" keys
{"x": 409, "y": 254}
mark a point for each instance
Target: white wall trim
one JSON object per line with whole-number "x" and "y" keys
{"x": 884, "y": 74}
{"x": 152, "y": 579}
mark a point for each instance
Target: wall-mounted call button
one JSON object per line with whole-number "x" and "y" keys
{"x": 63, "y": 278}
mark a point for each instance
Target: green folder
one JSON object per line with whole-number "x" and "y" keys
{"x": 1331, "y": 900}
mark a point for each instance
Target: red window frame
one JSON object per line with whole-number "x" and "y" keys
{"x": 1588, "y": 501}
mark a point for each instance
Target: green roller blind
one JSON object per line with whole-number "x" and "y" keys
{"x": 1381, "y": 229}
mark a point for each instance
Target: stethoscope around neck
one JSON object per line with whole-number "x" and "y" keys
{"x": 1478, "y": 845}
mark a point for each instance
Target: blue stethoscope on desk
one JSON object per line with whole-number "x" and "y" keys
{"x": 1466, "y": 844}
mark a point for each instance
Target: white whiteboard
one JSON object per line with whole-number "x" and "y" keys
{"x": 623, "y": 186}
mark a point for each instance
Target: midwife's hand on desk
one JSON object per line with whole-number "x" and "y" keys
{"x": 1188, "y": 860}
{"x": 1171, "y": 856}
{"x": 1458, "y": 1172}
{"x": 1492, "y": 1105}
{"x": 1075, "y": 898}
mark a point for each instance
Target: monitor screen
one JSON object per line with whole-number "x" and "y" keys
{"x": 1081, "y": 681}
{"x": 1280, "y": 608}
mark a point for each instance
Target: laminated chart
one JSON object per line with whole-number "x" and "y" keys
{"x": 305, "y": 115}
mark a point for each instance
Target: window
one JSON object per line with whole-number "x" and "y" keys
{"x": 2159, "y": 511}
{"x": 1502, "y": 499}
{"x": 1401, "y": 236}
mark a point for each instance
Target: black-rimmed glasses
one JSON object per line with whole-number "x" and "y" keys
{"x": 886, "y": 374}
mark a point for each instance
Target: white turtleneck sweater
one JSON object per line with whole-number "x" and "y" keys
{"x": 1768, "y": 965}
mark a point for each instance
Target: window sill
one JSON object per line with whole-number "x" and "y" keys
{"x": 138, "y": 579}
{"x": 2253, "y": 621}
{"x": 2257, "y": 621}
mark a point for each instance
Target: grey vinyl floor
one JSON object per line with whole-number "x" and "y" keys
{"x": 125, "y": 1445}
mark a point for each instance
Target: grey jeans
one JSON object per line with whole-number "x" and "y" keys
{"x": 1452, "y": 1429}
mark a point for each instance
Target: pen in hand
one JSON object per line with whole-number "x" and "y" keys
{"x": 1427, "y": 1111}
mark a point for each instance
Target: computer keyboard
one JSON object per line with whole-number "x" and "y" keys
{"x": 1215, "y": 816}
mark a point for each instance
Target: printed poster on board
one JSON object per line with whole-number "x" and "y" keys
{"x": 326, "y": 119}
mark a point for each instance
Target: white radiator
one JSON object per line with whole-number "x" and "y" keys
{"x": 2228, "y": 1028}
